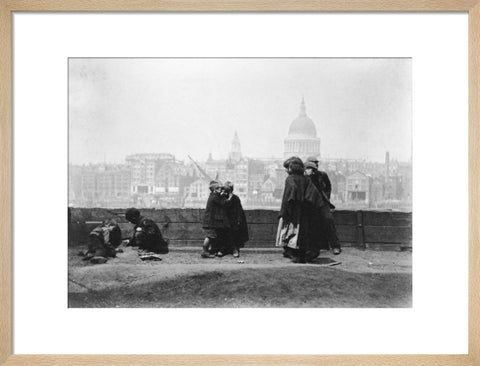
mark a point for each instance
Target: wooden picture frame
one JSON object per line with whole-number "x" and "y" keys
{"x": 8, "y": 7}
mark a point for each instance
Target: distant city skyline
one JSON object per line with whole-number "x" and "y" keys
{"x": 157, "y": 180}
{"x": 117, "y": 107}
{"x": 226, "y": 157}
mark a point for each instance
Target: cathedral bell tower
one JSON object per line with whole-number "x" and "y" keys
{"x": 235, "y": 153}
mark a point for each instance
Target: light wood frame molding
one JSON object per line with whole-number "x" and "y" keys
{"x": 8, "y": 7}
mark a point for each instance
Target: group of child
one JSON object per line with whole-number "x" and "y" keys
{"x": 224, "y": 223}
{"x": 306, "y": 223}
{"x": 105, "y": 239}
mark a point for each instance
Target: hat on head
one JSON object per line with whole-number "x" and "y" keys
{"x": 311, "y": 165}
{"x": 292, "y": 159}
{"x": 132, "y": 214}
{"x": 312, "y": 159}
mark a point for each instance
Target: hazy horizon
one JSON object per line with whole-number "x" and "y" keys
{"x": 117, "y": 107}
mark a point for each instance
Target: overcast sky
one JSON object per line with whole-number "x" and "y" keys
{"x": 361, "y": 107}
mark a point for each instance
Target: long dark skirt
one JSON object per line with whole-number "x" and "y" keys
{"x": 322, "y": 232}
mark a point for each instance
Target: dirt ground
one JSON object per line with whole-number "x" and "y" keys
{"x": 259, "y": 278}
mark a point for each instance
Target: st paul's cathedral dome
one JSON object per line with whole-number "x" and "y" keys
{"x": 302, "y": 137}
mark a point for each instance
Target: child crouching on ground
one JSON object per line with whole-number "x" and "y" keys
{"x": 103, "y": 242}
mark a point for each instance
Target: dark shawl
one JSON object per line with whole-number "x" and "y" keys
{"x": 215, "y": 216}
{"x": 150, "y": 237}
{"x": 315, "y": 205}
{"x": 293, "y": 198}
{"x": 238, "y": 222}
{"x": 321, "y": 181}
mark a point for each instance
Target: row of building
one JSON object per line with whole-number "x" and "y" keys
{"x": 160, "y": 180}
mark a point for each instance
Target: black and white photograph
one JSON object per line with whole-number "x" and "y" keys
{"x": 240, "y": 183}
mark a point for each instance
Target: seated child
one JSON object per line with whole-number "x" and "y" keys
{"x": 146, "y": 233}
{"x": 103, "y": 241}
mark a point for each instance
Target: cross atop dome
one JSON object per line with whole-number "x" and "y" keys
{"x": 302, "y": 125}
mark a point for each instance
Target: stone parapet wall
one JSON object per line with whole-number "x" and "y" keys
{"x": 384, "y": 230}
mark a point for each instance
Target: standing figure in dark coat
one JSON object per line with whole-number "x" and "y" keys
{"x": 293, "y": 226}
{"x": 325, "y": 232}
{"x": 216, "y": 223}
{"x": 238, "y": 221}
{"x": 146, "y": 234}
